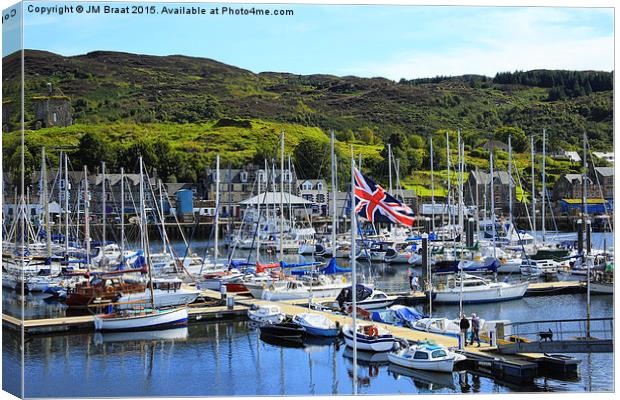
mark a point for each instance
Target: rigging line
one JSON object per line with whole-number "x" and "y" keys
{"x": 600, "y": 188}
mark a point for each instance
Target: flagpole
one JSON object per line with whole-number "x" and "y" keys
{"x": 353, "y": 272}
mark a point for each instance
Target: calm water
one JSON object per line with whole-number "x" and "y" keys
{"x": 228, "y": 358}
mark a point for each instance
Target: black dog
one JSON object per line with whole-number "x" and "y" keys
{"x": 546, "y": 336}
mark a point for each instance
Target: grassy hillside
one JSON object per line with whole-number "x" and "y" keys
{"x": 181, "y": 111}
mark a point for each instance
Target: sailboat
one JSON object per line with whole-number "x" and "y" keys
{"x": 140, "y": 318}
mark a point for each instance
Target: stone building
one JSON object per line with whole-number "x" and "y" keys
{"x": 477, "y": 190}
{"x": 570, "y": 186}
{"x": 52, "y": 111}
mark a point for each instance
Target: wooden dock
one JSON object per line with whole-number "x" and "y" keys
{"x": 86, "y": 322}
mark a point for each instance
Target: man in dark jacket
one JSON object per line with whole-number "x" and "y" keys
{"x": 464, "y": 325}
{"x": 475, "y": 327}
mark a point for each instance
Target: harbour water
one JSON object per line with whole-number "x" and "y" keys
{"x": 228, "y": 358}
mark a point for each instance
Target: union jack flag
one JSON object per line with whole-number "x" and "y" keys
{"x": 375, "y": 204}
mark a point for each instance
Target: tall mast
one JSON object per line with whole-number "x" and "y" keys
{"x": 584, "y": 195}
{"x": 290, "y": 190}
{"x": 390, "y": 165}
{"x": 281, "y": 190}
{"x": 86, "y": 216}
{"x": 510, "y": 180}
{"x": 544, "y": 189}
{"x": 123, "y": 216}
{"x": 432, "y": 187}
{"x": 161, "y": 219}
{"x": 448, "y": 167}
{"x": 334, "y": 205}
{"x": 66, "y": 206}
{"x": 460, "y": 179}
{"x": 46, "y": 210}
{"x": 143, "y": 234}
{"x": 492, "y": 204}
{"x": 353, "y": 271}
{"x": 533, "y": 187}
{"x": 217, "y": 207}
{"x": 103, "y": 205}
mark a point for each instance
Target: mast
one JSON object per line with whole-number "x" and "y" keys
{"x": 533, "y": 188}
{"x": 544, "y": 189}
{"x": 66, "y": 205}
{"x": 103, "y": 206}
{"x": 143, "y": 235}
{"x": 46, "y": 210}
{"x": 493, "y": 205}
{"x": 584, "y": 194}
{"x": 353, "y": 271}
{"x": 161, "y": 220}
{"x": 281, "y": 190}
{"x": 123, "y": 216}
{"x": 460, "y": 178}
{"x": 510, "y": 181}
{"x": 390, "y": 165}
{"x": 290, "y": 191}
{"x": 432, "y": 187}
{"x": 86, "y": 216}
{"x": 448, "y": 168}
{"x": 217, "y": 207}
{"x": 334, "y": 206}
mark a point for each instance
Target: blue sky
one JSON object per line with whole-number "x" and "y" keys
{"x": 389, "y": 41}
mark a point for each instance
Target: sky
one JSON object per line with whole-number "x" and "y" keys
{"x": 388, "y": 41}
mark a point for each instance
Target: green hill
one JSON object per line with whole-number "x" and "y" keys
{"x": 198, "y": 107}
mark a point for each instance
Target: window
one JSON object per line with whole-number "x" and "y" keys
{"x": 438, "y": 353}
{"x": 319, "y": 186}
{"x": 307, "y": 186}
{"x": 320, "y": 198}
{"x": 244, "y": 176}
{"x": 420, "y": 355}
{"x": 54, "y": 117}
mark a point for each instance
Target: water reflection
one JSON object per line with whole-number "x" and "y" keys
{"x": 423, "y": 380}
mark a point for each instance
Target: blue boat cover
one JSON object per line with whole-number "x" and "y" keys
{"x": 330, "y": 269}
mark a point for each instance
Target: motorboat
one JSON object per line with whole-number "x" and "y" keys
{"x": 317, "y": 324}
{"x": 400, "y": 254}
{"x": 172, "y": 334}
{"x": 320, "y": 287}
{"x": 474, "y": 289}
{"x": 397, "y": 315}
{"x": 283, "y": 330}
{"x": 266, "y": 314}
{"x": 426, "y": 356}
{"x": 141, "y": 319}
{"x": 166, "y": 293}
{"x": 368, "y": 298}
{"x": 530, "y": 267}
{"x": 369, "y": 337}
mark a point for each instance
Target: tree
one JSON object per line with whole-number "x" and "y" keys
{"x": 366, "y": 135}
{"x": 312, "y": 157}
{"x": 93, "y": 149}
{"x": 518, "y": 137}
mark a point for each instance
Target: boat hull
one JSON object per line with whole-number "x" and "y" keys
{"x": 377, "y": 344}
{"x": 481, "y": 296}
{"x": 444, "y": 365}
{"x": 153, "y": 321}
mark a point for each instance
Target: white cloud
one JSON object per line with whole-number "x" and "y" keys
{"x": 503, "y": 40}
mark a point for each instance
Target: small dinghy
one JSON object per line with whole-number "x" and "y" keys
{"x": 266, "y": 314}
{"x": 426, "y": 356}
{"x": 369, "y": 338}
{"x": 283, "y": 330}
{"x": 317, "y": 324}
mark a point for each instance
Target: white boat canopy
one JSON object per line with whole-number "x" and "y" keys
{"x": 271, "y": 198}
